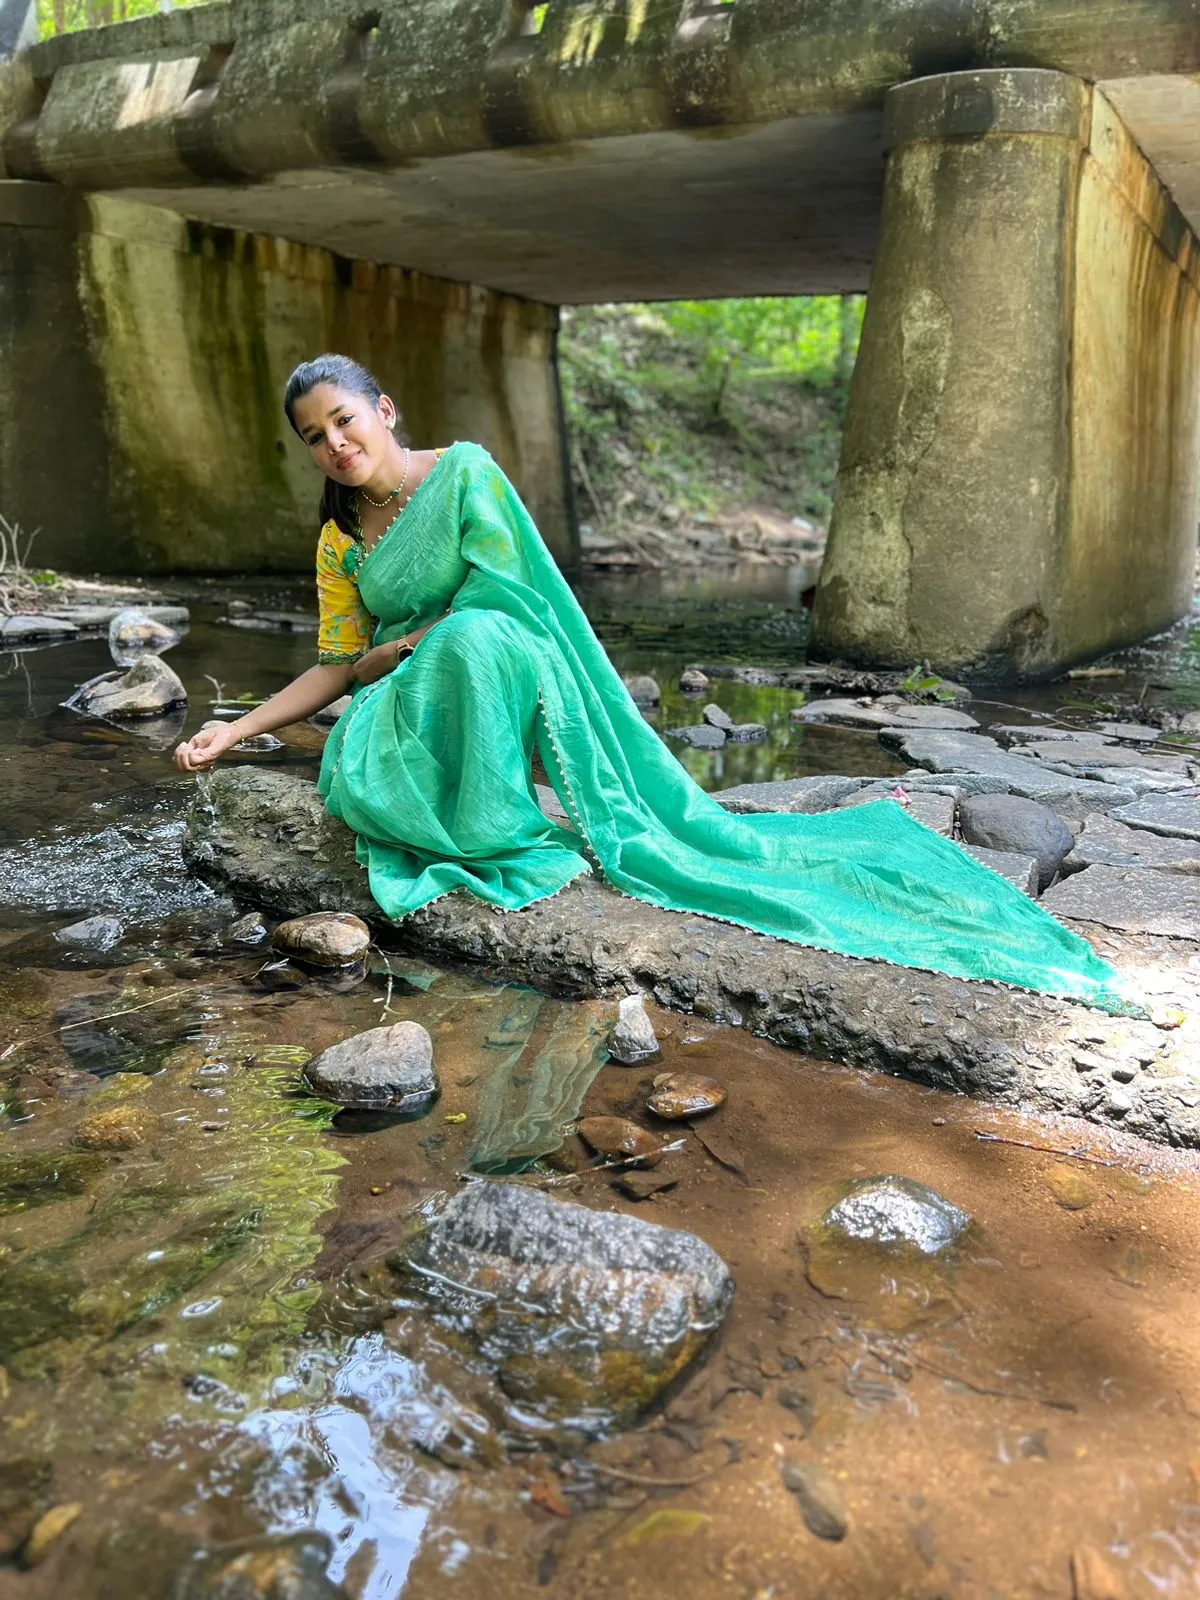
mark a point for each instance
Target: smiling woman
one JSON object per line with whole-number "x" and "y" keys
{"x": 467, "y": 652}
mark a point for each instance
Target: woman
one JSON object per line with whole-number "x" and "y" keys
{"x": 466, "y": 651}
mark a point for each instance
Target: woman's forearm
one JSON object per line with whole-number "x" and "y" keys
{"x": 311, "y": 691}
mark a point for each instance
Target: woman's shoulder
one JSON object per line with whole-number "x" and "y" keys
{"x": 332, "y": 548}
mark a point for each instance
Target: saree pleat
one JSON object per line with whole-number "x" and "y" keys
{"x": 430, "y": 767}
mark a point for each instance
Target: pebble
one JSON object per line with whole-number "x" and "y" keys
{"x": 324, "y": 939}
{"x": 693, "y": 681}
{"x": 47, "y": 1529}
{"x": 640, "y": 1185}
{"x": 633, "y": 1038}
{"x": 1071, "y": 1189}
{"x": 685, "y": 1094}
{"x": 643, "y": 690}
{"x": 617, "y": 1136}
{"x": 1119, "y": 1103}
{"x": 819, "y": 1498}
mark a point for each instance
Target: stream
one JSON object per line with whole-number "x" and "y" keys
{"x": 203, "y": 1392}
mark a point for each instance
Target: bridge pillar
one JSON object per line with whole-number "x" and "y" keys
{"x": 142, "y": 364}
{"x": 1018, "y": 485}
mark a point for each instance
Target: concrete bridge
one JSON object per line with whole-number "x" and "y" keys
{"x": 192, "y": 201}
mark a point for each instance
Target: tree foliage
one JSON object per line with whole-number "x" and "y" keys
{"x": 68, "y": 16}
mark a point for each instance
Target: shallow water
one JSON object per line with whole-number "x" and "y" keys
{"x": 190, "y": 1352}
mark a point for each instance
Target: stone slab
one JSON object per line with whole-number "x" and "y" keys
{"x": 890, "y": 711}
{"x": 1130, "y": 899}
{"x": 96, "y": 618}
{"x": 1105, "y": 842}
{"x": 1130, "y": 732}
{"x": 1072, "y": 797}
{"x": 25, "y": 630}
{"x": 1175, "y": 816}
{"x": 266, "y": 837}
{"x": 1021, "y": 870}
{"x": 1096, "y": 753}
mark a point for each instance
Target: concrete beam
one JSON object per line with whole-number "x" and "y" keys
{"x": 585, "y": 161}
{"x": 158, "y": 349}
{"x": 1018, "y": 479}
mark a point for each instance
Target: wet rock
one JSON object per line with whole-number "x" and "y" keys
{"x": 132, "y": 634}
{"x": 323, "y": 939}
{"x": 287, "y": 1567}
{"x": 617, "y": 1136}
{"x": 716, "y": 717}
{"x": 1070, "y": 1188}
{"x": 643, "y": 690}
{"x": 1019, "y": 870}
{"x": 93, "y": 933}
{"x": 328, "y": 715}
{"x": 805, "y": 796}
{"x": 747, "y": 733}
{"x": 1129, "y": 732}
{"x": 678, "y": 1095}
{"x": 701, "y": 737}
{"x": 889, "y": 711}
{"x": 1105, "y": 842}
{"x": 147, "y": 689}
{"x": 1132, "y": 899}
{"x": 819, "y": 1498}
{"x": 898, "y": 1211}
{"x": 1018, "y": 826}
{"x": 1174, "y": 816}
{"x": 122, "y": 1128}
{"x": 693, "y": 681}
{"x": 48, "y": 1529}
{"x": 383, "y": 1069}
{"x": 1092, "y": 1576}
{"x": 249, "y": 930}
{"x": 584, "y": 1314}
{"x": 633, "y": 1039}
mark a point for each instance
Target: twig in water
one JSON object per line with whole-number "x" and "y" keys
{"x": 1045, "y": 1149}
{"x": 644, "y": 1482}
{"x": 984, "y": 1389}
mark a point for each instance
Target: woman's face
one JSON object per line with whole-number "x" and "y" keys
{"x": 350, "y": 438}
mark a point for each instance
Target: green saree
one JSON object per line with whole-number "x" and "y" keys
{"x": 430, "y": 767}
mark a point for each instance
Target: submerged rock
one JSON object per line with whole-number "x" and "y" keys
{"x": 819, "y": 1498}
{"x": 383, "y": 1069}
{"x": 132, "y": 634}
{"x": 693, "y": 681}
{"x": 747, "y": 733}
{"x": 286, "y": 1567}
{"x": 633, "y": 1039}
{"x": 48, "y": 1529}
{"x": 701, "y": 737}
{"x": 898, "y": 1211}
{"x": 324, "y": 939}
{"x": 1021, "y": 827}
{"x": 617, "y": 1136}
{"x": 585, "y": 1314}
{"x": 93, "y": 933}
{"x": 147, "y": 689}
{"x": 122, "y": 1128}
{"x": 678, "y": 1095}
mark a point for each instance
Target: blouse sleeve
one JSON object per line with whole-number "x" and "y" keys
{"x": 346, "y": 624}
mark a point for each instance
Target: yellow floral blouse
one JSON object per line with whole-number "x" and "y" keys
{"x": 346, "y": 624}
{"x": 347, "y": 627}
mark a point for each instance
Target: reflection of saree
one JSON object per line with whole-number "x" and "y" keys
{"x": 430, "y": 767}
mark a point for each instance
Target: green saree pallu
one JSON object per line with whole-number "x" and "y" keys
{"x": 431, "y": 768}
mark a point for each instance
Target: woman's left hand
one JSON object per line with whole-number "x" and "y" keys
{"x": 377, "y": 663}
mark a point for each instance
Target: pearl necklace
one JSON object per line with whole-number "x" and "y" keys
{"x": 396, "y": 492}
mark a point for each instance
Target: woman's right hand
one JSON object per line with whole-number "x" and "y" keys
{"x": 205, "y": 747}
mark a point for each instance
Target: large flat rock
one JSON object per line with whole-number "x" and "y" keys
{"x": 889, "y": 711}
{"x": 1105, "y": 842}
{"x": 1131, "y": 899}
{"x": 974, "y": 754}
{"x": 266, "y": 837}
{"x": 1175, "y": 816}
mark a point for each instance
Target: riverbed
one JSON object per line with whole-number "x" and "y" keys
{"x": 192, "y": 1381}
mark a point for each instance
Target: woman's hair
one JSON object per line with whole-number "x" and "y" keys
{"x": 337, "y": 501}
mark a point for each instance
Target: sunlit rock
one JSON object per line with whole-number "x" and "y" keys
{"x": 383, "y": 1069}
{"x": 583, "y": 1314}
{"x": 324, "y": 939}
{"x": 678, "y": 1095}
{"x": 618, "y": 1137}
{"x": 898, "y": 1211}
{"x": 132, "y": 634}
{"x": 633, "y": 1038}
{"x": 147, "y": 689}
